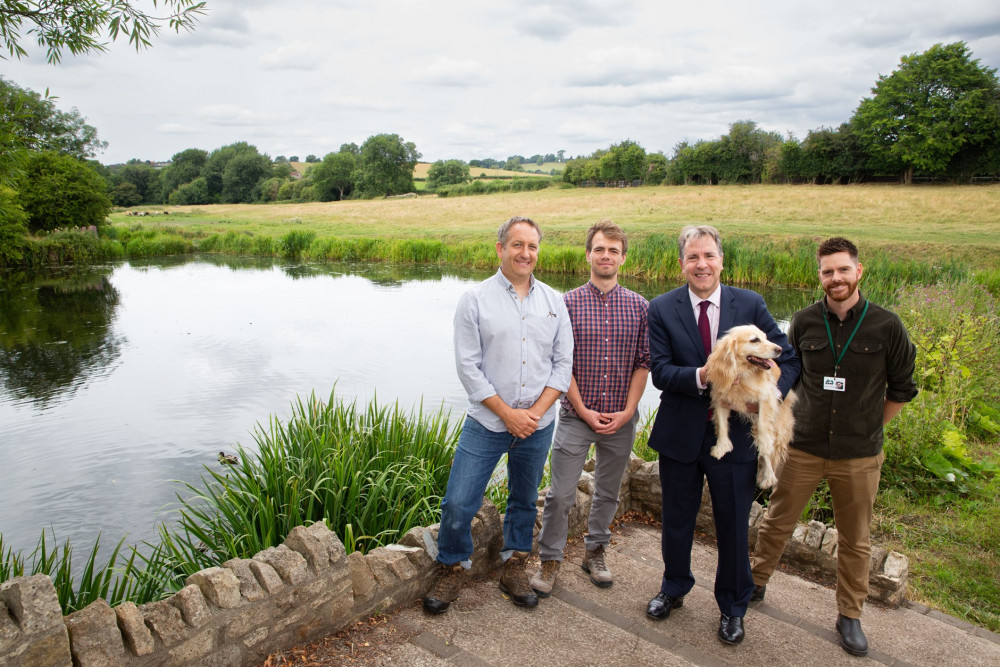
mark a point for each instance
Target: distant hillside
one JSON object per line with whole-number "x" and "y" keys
{"x": 420, "y": 171}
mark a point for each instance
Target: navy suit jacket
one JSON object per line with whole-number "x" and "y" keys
{"x": 676, "y": 352}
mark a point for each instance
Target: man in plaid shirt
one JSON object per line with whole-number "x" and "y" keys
{"x": 610, "y": 368}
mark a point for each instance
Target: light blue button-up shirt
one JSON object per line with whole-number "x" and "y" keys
{"x": 511, "y": 347}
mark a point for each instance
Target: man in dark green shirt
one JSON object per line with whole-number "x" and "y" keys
{"x": 857, "y": 373}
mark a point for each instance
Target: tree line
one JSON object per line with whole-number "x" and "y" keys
{"x": 937, "y": 115}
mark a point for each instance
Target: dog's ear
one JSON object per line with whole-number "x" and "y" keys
{"x": 721, "y": 367}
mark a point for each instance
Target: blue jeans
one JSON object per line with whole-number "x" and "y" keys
{"x": 479, "y": 450}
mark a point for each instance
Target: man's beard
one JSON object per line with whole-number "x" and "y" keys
{"x": 852, "y": 287}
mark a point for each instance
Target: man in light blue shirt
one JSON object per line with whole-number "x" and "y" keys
{"x": 514, "y": 354}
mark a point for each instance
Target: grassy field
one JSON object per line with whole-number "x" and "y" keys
{"x": 926, "y": 223}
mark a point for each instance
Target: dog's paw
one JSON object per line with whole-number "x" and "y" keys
{"x": 766, "y": 479}
{"x": 721, "y": 448}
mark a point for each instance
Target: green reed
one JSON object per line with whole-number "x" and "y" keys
{"x": 113, "y": 581}
{"x": 371, "y": 474}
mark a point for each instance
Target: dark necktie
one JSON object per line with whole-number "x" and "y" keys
{"x": 704, "y": 328}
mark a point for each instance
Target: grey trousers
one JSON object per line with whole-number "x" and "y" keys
{"x": 570, "y": 447}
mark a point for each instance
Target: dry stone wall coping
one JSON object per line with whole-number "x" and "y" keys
{"x": 307, "y": 587}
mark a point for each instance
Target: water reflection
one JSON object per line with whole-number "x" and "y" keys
{"x": 55, "y": 333}
{"x": 115, "y": 380}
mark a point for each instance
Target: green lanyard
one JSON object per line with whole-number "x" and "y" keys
{"x": 829, "y": 334}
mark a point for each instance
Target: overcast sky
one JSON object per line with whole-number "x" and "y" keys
{"x": 469, "y": 80}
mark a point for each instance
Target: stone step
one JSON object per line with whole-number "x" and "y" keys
{"x": 583, "y": 624}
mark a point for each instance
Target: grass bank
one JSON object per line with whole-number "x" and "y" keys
{"x": 907, "y": 234}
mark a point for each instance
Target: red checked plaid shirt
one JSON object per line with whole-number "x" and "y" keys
{"x": 609, "y": 343}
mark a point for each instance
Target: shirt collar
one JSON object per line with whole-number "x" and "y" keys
{"x": 715, "y": 298}
{"x": 854, "y": 312}
{"x": 508, "y": 285}
{"x": 593, "y": 288}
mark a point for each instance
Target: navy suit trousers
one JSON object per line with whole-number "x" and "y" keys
{"x": 732, "y": 487}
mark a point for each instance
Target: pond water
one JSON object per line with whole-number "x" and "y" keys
{"x": 116, "y": 380}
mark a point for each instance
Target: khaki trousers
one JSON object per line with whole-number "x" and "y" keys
{"x": 853, "y": 485}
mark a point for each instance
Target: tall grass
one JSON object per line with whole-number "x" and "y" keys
{"x": 371, "y": 474}
{"x": 113, "y": 581}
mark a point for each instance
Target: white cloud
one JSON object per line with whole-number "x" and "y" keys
{"x": 296, "y": 55}
{"x": 454, "y": 73}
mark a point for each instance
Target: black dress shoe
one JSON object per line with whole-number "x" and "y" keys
{"x": 659, "y": 607}
{"x": 852, "y": 638}
{"x": 758, "y": 593}
{"x": 731, "y": 629}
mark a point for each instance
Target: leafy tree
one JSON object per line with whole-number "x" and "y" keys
{"x": 80, "y": 26}
{"x": 184, "y": 167}
{"x": 925, "y": 113}
{"x": 13, "y": 228}
{"x": 836, "y": 156}
{"x": 242, "y": 177}
{"x": 40, "y": 126}
{"x": 386, "y": 165}
{"x": 294, "y": 158}
{"x": 143, "y": 176}
{"x": 282, "y": 170}
{"x": 656, "y": 168}
{"x": 311, "y": 158}
{"x": 195, "y": 192}
{"x": 351, "y": 148}
{"x": 623, "y": 162}
{"x": 450, "y": 172}
{"x": 237, "y": 186}
{"x": 126, "y": 195}
{"x": 61, "y": 191}
{"x": 333, "y": 178}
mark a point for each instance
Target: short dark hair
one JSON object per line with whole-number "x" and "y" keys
{"x": 692, "y": 232}
{"x": 610, "y": 230}
{"x": 504, "y": 230}
{"x": 834, "y": 245}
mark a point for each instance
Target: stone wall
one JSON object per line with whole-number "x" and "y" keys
{"x": 308, "y": 587}
{"x": 236, "y": 614}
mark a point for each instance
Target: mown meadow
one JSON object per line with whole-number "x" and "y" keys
{"x": 930, "y": 252}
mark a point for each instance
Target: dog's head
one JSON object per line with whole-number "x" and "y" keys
{"x": 749, "y": 343}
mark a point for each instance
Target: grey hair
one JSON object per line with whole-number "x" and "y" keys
{"x": 692, "y": 232}
{"x": 504, "y": 230}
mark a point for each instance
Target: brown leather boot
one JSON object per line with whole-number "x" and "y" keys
{"x": 514, "y": 580}
{"x": 445, "y": 589}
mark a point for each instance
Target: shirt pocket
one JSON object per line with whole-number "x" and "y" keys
{"x": 864, "y": 357}
{"x": 817, "y": 359}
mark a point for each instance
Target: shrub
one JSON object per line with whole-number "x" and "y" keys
{"x": 294, "y": 243}
{"x": 956, "y": 329}
{"x": 58, "y": 191}
{"x": 13, "y": 230}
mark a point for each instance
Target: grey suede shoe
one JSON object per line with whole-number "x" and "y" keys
{"x": 593, "y": 564}
{"x": 545, "y": 579}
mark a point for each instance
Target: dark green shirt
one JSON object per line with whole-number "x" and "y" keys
{"x": 878, "y": 365}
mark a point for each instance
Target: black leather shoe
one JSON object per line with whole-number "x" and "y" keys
{"x": 852, "y": 638}
{"x": 731, "y": 629}
{"x": 660, "y": 607}
{"x": 758, "y": 593}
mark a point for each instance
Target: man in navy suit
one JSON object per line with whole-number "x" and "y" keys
{"x": 683, "y": 325}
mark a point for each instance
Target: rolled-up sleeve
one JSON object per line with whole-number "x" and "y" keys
{"x": 900, "y": 362}
{"x": 469, "y": 350}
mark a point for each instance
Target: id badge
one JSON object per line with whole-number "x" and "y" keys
{"x": 834, "y": 383}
